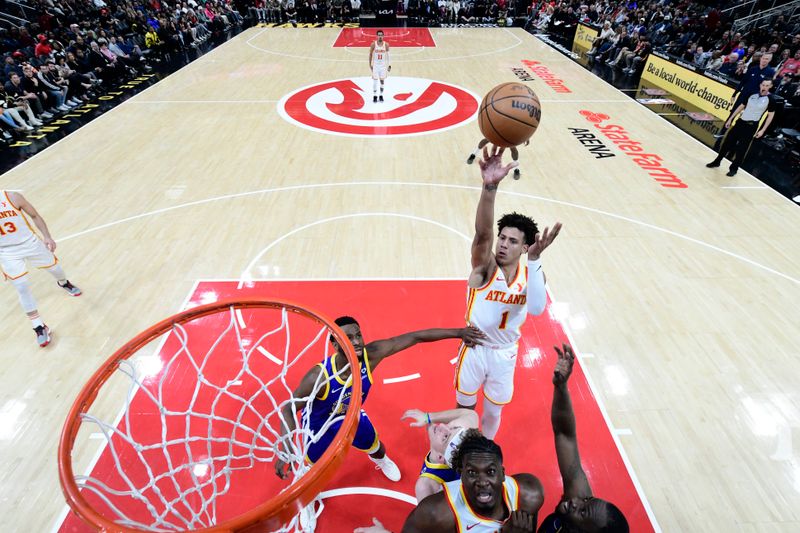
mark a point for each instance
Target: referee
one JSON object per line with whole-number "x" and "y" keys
{"x": 746, "y": 128}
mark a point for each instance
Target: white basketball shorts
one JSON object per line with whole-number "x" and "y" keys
{"x": 13, "y": 258}
{"x": 489, "y": 367}
{"x": 379, "y": 72}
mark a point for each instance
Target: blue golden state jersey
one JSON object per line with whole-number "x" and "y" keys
{"x": 328, "y": 404}
{"x": 437, "y": 472}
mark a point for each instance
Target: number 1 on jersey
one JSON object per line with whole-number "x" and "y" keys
{"x": 503, "y": 320}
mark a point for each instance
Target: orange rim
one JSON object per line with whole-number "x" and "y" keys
{"x": 272, "y": 513}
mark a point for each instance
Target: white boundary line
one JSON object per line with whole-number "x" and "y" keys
{"x": 269, "y": 356}
{"x": 370, "y": 491}
{"x": 65, "y": 511}
{"x": 745, "y": 187}
{"x": 434, "y": 185}
{"x": 401, "y": 379}
{"x": 640, "y": 491}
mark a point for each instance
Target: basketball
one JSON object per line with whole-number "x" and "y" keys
{"x": 509, "y": 114}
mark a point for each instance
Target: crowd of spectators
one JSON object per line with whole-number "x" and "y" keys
{"x": 693, "y": 32}
{"x": 69, "y": 51}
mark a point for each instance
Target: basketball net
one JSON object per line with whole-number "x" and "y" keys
{"x": 228, "y": 425}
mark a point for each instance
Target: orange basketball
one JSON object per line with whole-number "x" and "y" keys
{"x": 509, "y": 114}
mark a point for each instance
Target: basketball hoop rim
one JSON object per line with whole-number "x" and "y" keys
{"x": 273, "y": 512}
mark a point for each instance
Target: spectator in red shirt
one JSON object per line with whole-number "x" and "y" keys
{"x": 43, "y": 47}
{"x": 790, "y": 67}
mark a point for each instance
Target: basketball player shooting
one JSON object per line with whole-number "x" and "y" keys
{"x": 379, "y": 65}
{"x": 578, "y": 510}
{"x": 445, "y": 432}
{"x": 481, "y": 500}
{"x": 333, "y": 400}
{"x": 501, "y": 288}
{"x": 19, "y": 244}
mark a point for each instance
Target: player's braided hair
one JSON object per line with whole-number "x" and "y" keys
{"x": 525, "y": 224}
{"x": 473, "y": 441}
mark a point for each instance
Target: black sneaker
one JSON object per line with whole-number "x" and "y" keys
{"x": 71, "y": 289}
{"x": 471, "y": 159}
{"x": 713, "y": 164}
{"x": 42, "y": 335}
{"x": 380, "y": 98}
{"x": 374, "y": 98}
{"x": 731, "y": 173}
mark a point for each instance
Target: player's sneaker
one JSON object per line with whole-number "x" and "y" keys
{"x": 380, "y": 98}
{"x": 43, "y": 337}
{"x": 374, "y": 99}
{"x": 471, "y": 159}
{"x": 516, "y": 174}
{"x": 71, "y": 289}
{"x": 388, "y": 468}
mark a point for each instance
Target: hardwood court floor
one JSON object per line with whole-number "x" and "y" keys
{"x": 686, "y": 298}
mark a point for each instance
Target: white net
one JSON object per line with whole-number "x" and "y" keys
{"x": 202, "y": 422}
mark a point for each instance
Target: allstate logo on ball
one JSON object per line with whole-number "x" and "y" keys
{"x": 412, "y": 106}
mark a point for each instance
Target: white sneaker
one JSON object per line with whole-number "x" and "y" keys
{"x": 27, "y": 127}
{"x": 388, "y": 468}
{"x": 45, "y": 114}
{"x": 75, "y": 101}
{"x": 63, "y": 108}
{"x": 36, "y": 122}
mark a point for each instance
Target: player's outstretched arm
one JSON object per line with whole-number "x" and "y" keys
{"x": 492, "y": 172}
{"x": 23, "y": 204}
{"x": 465, "y": 418}
{"x": 371, "y": 52}
{"x": 300, "y": 400}
{"x": 562, "y": 417}
{"x": 380, "y": 350}
{"x": 537, "y": 295}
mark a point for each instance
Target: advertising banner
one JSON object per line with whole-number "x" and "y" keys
{"x": 689, "y": 84}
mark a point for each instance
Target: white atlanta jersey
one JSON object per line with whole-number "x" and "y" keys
{"x": 14, "y": 226}
{"x": 467, "y": 520}
{"x": 379, "y": 55}
{"x": 499, "y": 308}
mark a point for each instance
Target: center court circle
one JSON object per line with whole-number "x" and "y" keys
{"x": 412, "y": 106}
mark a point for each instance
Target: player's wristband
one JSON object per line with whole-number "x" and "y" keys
{"x": 429, "y": 418}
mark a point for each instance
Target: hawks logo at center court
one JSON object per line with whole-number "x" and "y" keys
{"x": 412, "y": 106}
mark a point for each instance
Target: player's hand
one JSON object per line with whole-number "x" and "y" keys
{"x": 519, "y": 522}
{"x": 50, "y": 243}
{"x": 492, "y": 169}
{"x": 542, "y": 240}
{"x": 564, "y": 364}
{"x": 376, "y": 528}
{"x": 472, "y": 336}
{"x": 759, "y": 134}
{"x": 419, "y": 418}
{"x": 728, "y": 124}
{"x": 280, "y": 469}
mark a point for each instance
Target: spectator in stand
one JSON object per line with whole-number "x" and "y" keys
{"x": 740, "y": 49}
{"x": 29, "y": 101}
{"x": 57, "y": 87}
{"x": 701, "y": 57}
{"x": 18, "y": 102}
{"x": 716, "y": 61}
{"x": 32, "y": 85}
{"x": 606, "y": 33}
{"x": 78, "y": 84}
{"x": 12, "y": 107}
{"x": 790, "y": 67}
{"x": 11, "y": 66}
{"x": 635, "y": 58}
